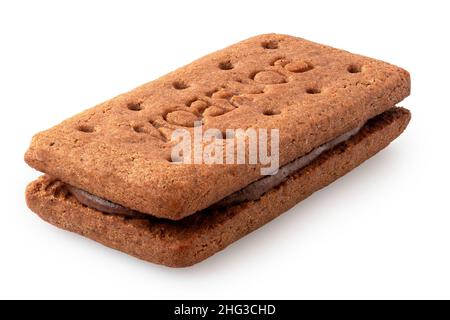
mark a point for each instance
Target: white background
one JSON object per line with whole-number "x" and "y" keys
{"x": 383, "y": 231}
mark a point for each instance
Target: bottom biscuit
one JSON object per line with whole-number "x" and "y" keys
{"x": 190, "y": 240}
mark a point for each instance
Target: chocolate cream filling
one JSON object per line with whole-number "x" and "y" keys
{"x": 253, "y": 191}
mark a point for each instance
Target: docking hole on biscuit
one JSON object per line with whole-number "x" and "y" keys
{"x": 313, "y": 90}
{"x": 135, "y": 106}
{"x": 269, "y": 112}
{"x": 180, "y": 85}
{"x": 353, "y": 68}
{"x": 85, "y": 129}
{"x": 226, "y": 65}
{"x": 270, "y": 44}
{"x": 139, "y": 129}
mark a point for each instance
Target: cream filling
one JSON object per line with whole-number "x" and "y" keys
{"x": 253, "y": 191}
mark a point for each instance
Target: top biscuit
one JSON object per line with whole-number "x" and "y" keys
{"x": 120, "y": 149}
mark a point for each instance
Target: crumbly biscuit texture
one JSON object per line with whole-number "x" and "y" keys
{"x": 120, "y": 150}
{"x": 190, "y": 240}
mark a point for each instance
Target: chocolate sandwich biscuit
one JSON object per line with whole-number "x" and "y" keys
{"x": 188, "y": 241}
{"x": 110, "y": 177}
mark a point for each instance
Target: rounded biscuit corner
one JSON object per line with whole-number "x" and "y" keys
{"x": 181, "y": 255}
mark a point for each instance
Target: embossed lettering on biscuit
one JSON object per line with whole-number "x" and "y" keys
{"x": 238, "y": 101}
{"x": 299, "y": 66}
{"x": 223, "y": 94}
{"x": 280, "y": 61}
{"x": 269, "y": 77}
{"x": 182, "y": 118}
{"x": 213, "y": 111}
{"x": 199, "y": 105}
